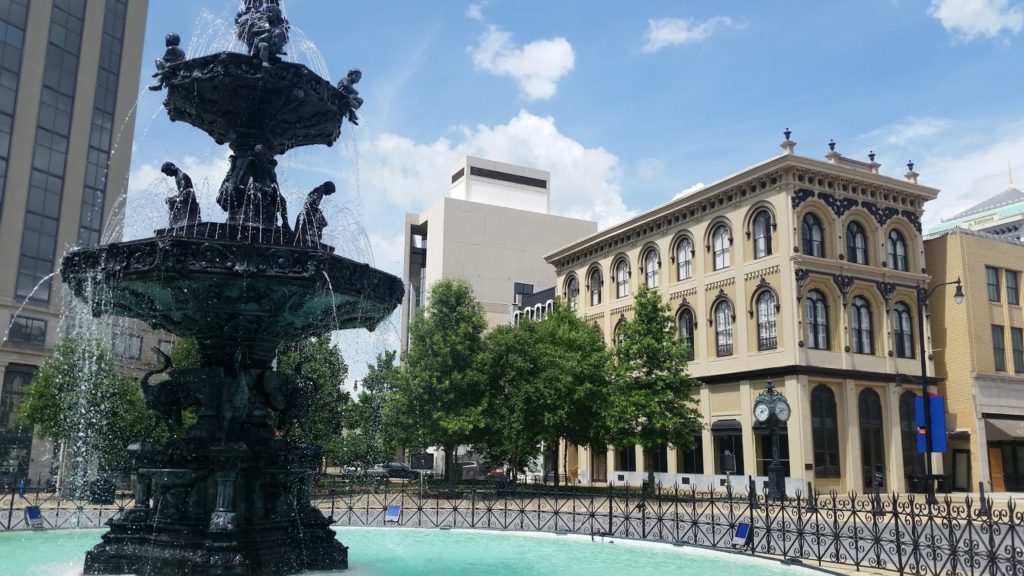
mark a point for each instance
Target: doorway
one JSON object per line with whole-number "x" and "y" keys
{"x": 872, "y": 439}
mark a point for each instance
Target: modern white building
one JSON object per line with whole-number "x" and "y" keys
{"x": 492, "y": 230}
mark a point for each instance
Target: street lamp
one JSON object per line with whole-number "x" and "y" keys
{"x": 922, "y": 302}
{"x": 772, "y": 408}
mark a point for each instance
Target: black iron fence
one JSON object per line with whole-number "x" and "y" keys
{"x": 901, "y": 533}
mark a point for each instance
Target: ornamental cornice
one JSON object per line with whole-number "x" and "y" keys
{"x": 719, "y": 284}
{"x": 683, "y": 294}
{"x": 786, "y": 174}
{"x": 766, "y": 271}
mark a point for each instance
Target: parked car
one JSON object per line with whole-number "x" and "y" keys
{"x": 393, "y": 470}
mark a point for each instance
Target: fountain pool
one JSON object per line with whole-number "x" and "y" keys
{"x": 416, "y": 552}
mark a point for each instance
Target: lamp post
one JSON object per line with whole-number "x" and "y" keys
{"x": 772, "y": 408}
{"x": 922, "y": 303}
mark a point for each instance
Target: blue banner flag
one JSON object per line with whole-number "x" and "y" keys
{"x": 938, "y": 408}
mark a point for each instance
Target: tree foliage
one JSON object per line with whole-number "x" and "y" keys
{"x": 80, "y": 399}
{"x": 652, "y": 396}
{"x": 320, "y": 363}
{"x": 546, "y": 381}
{"x": 439, "y": 397}
{"x": 371, "y": 438}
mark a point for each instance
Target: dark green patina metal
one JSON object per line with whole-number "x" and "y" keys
{"x": 231, "y": 497}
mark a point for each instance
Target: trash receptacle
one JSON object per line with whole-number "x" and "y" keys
{"x": 943, "y": 484}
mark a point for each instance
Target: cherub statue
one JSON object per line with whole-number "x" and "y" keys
{"x": 271, "y": 38}
{"x": 310, "y": 223}
{"x": 182, "y": 208}
{"x": 350, "y": 96}
{"x": 172, "y": 55}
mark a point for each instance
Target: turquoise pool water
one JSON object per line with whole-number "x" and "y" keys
{"x": 414, "y": 552}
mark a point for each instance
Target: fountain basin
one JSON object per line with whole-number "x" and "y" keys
{"x": 261, "y": 295}
{"x": 234, "y": 98}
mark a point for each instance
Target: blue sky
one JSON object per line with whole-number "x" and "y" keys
{"x": 627, "y": 104}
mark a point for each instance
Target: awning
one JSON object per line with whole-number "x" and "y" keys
{"x": 726, "y": 428}
{"x": 1002, "y": 430}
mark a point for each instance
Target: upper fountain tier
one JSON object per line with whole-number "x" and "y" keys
{"x": 256, "y": 98}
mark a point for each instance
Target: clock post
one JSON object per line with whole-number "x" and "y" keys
{"x": 772, "y": 409}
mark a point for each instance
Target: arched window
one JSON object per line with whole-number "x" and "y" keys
{"x": 686, "y": 326}
{"x": 684, "y": 259}
{"x": 860, "y": 326}
{"x": 572, "y": 292}
{"x": 652, "y": 267}
{"x": 816, "y": 320}
{"x": 618, "y": 334}
{"x": 898, "y": 251}
{"x": 762, "y": 234}
{"x": 723, "y": 328}
{"x": 913, "y": 462}
{"x": 872, "y": 439}
{"x": 595, "y": 287}
{"x": 813, "y": 235}
{"x": 622, "y": 279}
{"x": 825, "y": 432}
{"x": 720, "y": 244}
{"x": 856, "y": 243}
{"x": 902, "y": 331}
{"x": 766, "y": 309}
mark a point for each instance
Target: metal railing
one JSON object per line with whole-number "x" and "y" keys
{"x": 959, "y": 536}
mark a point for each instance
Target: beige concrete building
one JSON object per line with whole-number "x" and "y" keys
{"x": 492, "y": 230}
{"x": 69, "y": 78}
{"x": 979, "y": 355}
{"x": 796, "y": 269}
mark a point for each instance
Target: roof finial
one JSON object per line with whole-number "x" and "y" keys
{"x": 832, "y": 145}
{"x": 788, "y": 145}
{"x": 871, "y": 155}
{"x": 911, "y": 176}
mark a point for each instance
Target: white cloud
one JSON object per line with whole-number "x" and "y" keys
{"x": 909, "y": 130}
{"x": 475, "y": 12}
{"x": 536, "y": 67}
{"x": 665, "y": 32}
{"x": 690, "y": 190}
{"x": 585, "y": 182}
{"x": 970, "y": 19}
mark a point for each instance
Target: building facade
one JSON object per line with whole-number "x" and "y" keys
{"x": 1001, "y": 215}
{"x": 492, "y": 230}
{"x": 979, "y": 355}
{"x": 801, "y": 270}
{"x": 69, "y": 78}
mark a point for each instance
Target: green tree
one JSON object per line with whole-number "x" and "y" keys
{"x": 321, "y": 363}
{"x": 513, "y": 399}
{"x": 80, "y": 399}
{"x": 439, "y": 397}
{"x": 370, "y": 438}
{"x": 652, "y": 401}
{"x": 546, "y": 381}
{"x": 573, "y": 376}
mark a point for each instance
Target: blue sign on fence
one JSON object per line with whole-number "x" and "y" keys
{"x": 34, "y": 517}
{"x": 741, "y": 535}
{"x": 938, "y": 405}
{"x": 393, "y": 513}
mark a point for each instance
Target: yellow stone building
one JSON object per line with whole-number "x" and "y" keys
{"x": 797, "y": 269}
{"x": 979, "y": 355}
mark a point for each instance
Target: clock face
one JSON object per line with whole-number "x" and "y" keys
{"x": 761, "y": 412}
{"x": 782, "y": 411}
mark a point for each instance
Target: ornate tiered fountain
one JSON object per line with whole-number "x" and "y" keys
{"x": 231, "y": 496}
